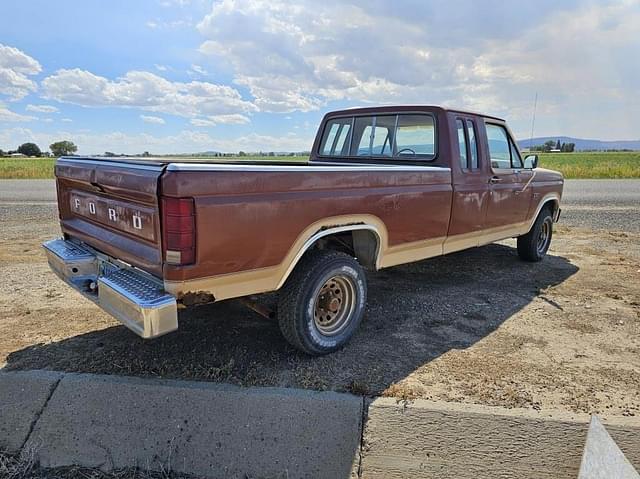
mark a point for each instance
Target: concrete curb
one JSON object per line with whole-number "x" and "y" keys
{"x": 217, "y": 430}
{"x": 198, "y": 428}
{"x": 23, "y": 396}
{"x": 437, "y": 440}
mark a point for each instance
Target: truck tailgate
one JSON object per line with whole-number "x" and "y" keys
{"x": 113, "y": 207}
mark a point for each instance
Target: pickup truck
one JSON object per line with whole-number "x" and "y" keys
{"x": 383, "y": 186}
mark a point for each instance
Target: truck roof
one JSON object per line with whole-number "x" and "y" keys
{"x": 397, "y": 108}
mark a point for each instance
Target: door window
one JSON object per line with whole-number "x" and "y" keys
{"x": 516, "y": 161}
{"x": 499, "y": 146}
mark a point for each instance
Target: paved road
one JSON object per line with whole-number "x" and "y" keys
{"x": 602, "y": 204}
{"x": 27, "y": 191}
{"x": 608, "y": 204}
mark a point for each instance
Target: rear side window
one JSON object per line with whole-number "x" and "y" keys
{"x": 335, "y": 140}
{"x": 462, "y": 144}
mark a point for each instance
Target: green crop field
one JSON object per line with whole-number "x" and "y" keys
{"x": 593, "y": 164}
{"x": 26, "y": 168}
{"x": 572, "y": 165}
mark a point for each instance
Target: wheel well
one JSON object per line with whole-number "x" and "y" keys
{"x": 553, "y": 205}
{"x": 363, "y": 244}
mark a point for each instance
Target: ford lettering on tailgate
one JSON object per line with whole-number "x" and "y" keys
{"x": 134, "y": 219}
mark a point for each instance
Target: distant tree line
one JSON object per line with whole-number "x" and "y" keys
{"x": 59, "y": 148}
{"x": 555, "y": 145}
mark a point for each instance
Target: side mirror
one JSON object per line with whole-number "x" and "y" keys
{"x": 531, "y": 162}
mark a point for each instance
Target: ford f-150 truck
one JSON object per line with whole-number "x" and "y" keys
{"x": 383, "y": 186}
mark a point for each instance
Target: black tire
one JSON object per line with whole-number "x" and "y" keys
{"x": 534, "y": 245}
{"x": 322, "y": 281}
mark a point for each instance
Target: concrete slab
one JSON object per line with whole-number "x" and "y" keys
{"x": 438, "y": 440}
{"x": 22, "y": 398}
{"x": 204, "y": 429}
{"x": 602, "y": 458}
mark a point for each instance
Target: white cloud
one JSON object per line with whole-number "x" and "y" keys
{"x": 202, "y": 122}
{"x": 42, "y": 108}
{"x": 15, "y": 68}
{"x": 152, "y": 119}
{"x": 214, "y": 120}
{"x": 47, "y": 120}
{"x": 7, "y": 115}
{"x": 145, "y": 91}
{"x": 161, "y": 68}
{"x": 198, "y": 69}
{"x": 67, "y": 120}
{"x": 178, "y": 3}
{"x": 185, "y": 141}
{"x": 158, "y": 24}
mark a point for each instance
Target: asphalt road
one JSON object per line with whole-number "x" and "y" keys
{"x": 596, "y": 204}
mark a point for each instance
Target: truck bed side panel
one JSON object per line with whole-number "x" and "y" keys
{"x": 247, "y": 220}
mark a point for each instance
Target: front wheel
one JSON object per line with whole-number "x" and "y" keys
{"x": 534, "y": 245}
{"x": 322, "y": 302}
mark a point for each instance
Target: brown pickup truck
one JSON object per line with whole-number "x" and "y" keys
{"x": 383, "y": 186}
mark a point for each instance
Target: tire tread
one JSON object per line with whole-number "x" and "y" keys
{"x": 295, "y": 288}
{"x": 527, "y": 243}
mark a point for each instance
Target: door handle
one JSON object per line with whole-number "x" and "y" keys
{"x": 495, "y": 179}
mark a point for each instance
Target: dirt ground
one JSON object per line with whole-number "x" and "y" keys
{"x": 478, "y": 326}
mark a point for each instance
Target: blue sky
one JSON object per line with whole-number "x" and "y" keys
{"x": 171, "y": 76}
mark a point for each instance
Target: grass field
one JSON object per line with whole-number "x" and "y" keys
{"x": 26, "y": 168}
{"x": 572, "y": 165}
{"x": 593, "y": 164}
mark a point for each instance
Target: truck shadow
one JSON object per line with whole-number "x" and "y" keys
{"x": 416, "y": 313}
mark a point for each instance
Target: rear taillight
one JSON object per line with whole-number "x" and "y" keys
{"x": 178, "y": 230}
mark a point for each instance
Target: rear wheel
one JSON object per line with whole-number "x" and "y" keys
{"x": 322, "y": 302}
{"x": 534, "y": 245}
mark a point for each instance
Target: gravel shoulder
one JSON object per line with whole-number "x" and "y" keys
{"x": 478, "y": 326}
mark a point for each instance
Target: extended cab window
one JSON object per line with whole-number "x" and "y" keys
{"x": 473, "y": 144}
{"x": 467, "y": 144}
{"x": 335, "y": 140}
{"x": 415, "y": 136}
{"x": 462, "y": 144}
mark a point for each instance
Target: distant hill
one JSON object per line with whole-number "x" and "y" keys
{"x": 582, "y": 144}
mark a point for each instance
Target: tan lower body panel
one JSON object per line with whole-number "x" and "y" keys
{"x": 235, "y": 285}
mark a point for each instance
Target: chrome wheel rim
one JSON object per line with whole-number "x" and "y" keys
{"x": 544, "y": 236}
{"x": 334, "y": 305}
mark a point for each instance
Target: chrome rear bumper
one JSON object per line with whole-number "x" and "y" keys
{"x": 134, "y": 298}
